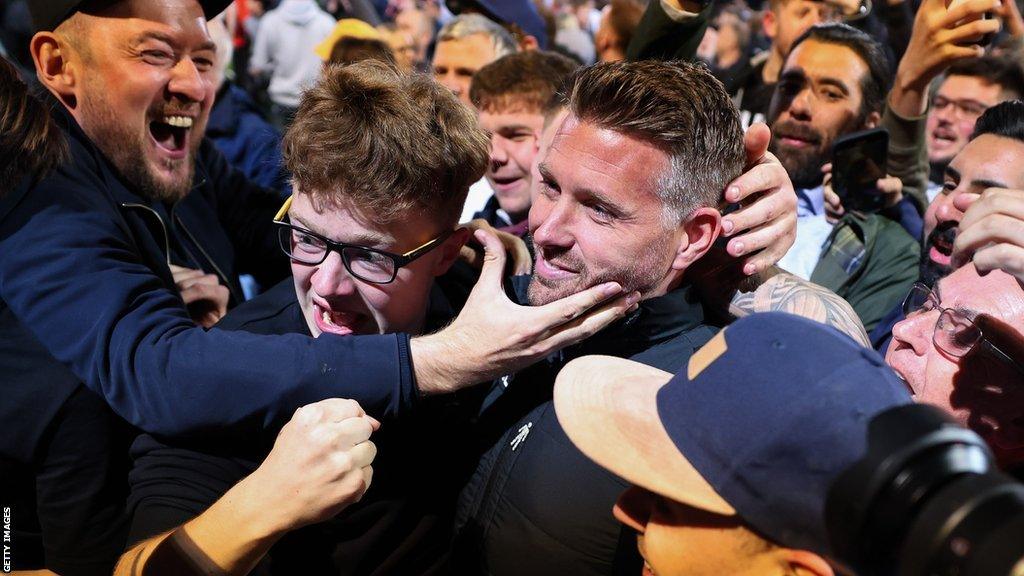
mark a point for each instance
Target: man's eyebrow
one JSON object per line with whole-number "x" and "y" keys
{"x": 829, "y": 81}
{"x": 953, "y": 173}
{"x": 171, "y": 41}
{"x": 515, "y": 127}
{"x": 984, "y": 183}
{"x": 545, "y": 172}
{"x": 360, "y": 239}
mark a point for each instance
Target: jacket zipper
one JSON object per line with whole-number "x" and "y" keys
{"x": 163, "y": 227}
{"x": 220, "y": 273}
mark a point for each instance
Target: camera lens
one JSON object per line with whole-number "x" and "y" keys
{"x": 926, "y": 500}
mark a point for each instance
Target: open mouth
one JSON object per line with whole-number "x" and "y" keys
{"x": 171, "y": 134}
{"x": 943, "y": 136}
{"x": 941, "y": 251}
{"x": 335, "y": 321}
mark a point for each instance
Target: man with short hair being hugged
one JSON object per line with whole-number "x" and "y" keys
{"x": 630, "y": 188}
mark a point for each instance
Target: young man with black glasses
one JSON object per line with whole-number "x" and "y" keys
{"x": 371, "y": 227}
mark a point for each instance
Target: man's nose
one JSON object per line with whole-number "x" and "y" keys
{"x": 498, "y": 155}
{"x": 947, "y": 210}
{"x": 331, "y": 279}
{"x": 916, "y": 331}
{"x": 554, "y": 221}
{"x": 188, "y": 82}
{"x": 800, "y": 106}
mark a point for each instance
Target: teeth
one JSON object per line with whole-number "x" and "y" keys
{"x": 327, "y": 318}
{"x": 178, "y": 121}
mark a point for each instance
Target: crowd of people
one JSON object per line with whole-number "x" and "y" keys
{"x": 492, "y": 286}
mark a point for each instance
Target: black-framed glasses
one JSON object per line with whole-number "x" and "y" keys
{"x": 955, "y": 333}
{"x": 367, "y": 264}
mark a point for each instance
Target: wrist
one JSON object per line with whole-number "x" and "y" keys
{"x": 435, "y": 362}
{"x": 908, "y": 97}
{"x": 258, "y": 515}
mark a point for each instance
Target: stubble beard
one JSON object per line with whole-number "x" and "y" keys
{"x": 641, "y": 274}
{"x": 126, "y": 150}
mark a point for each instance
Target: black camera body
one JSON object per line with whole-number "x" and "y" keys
{"x": 926, "y": 500}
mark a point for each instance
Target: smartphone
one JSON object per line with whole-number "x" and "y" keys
{"x": 858, "y": 162}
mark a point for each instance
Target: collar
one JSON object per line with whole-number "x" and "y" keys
{"x": 655, "y": 320}
{"x": 810, "y": 202}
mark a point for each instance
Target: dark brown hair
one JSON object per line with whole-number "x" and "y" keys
{"x": 676, "y": 106}
{"x": 385, "y": 141}
{"x": 520, "y": 82}
{"x": 31, "y": 144}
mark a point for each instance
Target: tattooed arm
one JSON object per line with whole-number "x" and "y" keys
{"x": 780, "y": 291}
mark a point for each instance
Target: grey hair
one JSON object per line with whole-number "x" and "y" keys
{"x": 469, "y": 24}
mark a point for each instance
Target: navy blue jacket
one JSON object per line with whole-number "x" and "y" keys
{"x": 83, "y": 272}
{"x": 247, "y": 141}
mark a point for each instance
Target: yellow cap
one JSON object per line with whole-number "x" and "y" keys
{"x": 346, "y": 28}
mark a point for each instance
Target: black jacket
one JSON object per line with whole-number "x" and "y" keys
{"x": 402, "y": 525}
{"x": 536, "y": 505}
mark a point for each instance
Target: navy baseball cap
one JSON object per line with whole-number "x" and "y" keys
{"x": 48, "y": 14}
{"x": 760, "y": 423}
{"x": 522, "y": 13}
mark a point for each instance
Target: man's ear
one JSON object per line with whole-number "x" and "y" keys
{"x": 769, "y": 24}
{"x": 449, "y": 250}
{"x": 700, "y": 230}
{"x": 52, "y": 56}
{"x": 804, "y": 563}
{"x": 529, "y": 42}
{"x": 872, "y": 120}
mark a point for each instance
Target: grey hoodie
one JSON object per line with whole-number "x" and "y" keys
{"x": 284, "y": 48}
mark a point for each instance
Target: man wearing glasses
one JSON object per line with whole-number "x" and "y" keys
{"x": 369, "y": 231}
{"x": 961, "y": 348}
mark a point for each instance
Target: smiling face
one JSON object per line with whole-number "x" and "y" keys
{"x": 679, "y": 540}
{"x": 455, "y": 62}
{"x": 977, "y": 389}
{"x": 957, "y": 105}
{"x": 515, "y": 138}
{"x": 145, "y": 85}
{"x": 818, "y": 98}
{"x": 988, "y": 161}
{"x": 597, "y": 217}
{"x": 335, "y": 302}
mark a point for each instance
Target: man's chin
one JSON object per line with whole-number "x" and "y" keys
{"x": 543, "y": 291}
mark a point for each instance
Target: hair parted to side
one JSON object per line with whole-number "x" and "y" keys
{"x": 386, "y": 142}
{"x": 520, "y": 82}
{"x": 31, "y": 143}
{"x": 676, "y": 106}
{"x": 465, "y": 25}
